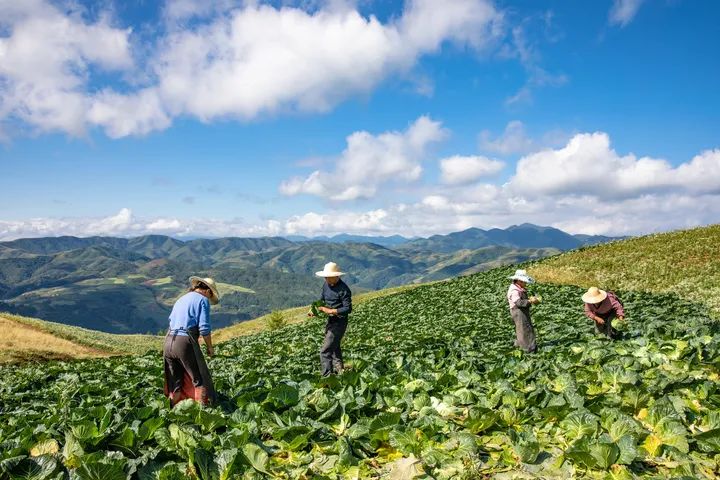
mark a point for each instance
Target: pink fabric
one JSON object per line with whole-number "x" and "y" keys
{"x": 514, "y": 293}
{"x": 187, "y": 390}
{"x": 605, "y": 308}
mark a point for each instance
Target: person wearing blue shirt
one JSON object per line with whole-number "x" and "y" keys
{"x": 338, "y": 304}
{"x": 186, "y": 371}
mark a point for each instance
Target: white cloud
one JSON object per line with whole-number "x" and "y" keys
{"x": 46, "y": 61}
{"x": 370, "y": 161}
{"x": 122, "y": 115}
{"x": 623, "y": 11}
{"x": 126, "y": 224}
{"x": 260, "y": 60}
{"x": 588, "y": 166}
{"x": 458, "y": 169}
{"x": 583, "y": 187}
{"x": 216, "y": 61}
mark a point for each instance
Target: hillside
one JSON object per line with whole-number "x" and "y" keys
{"x": 434, "y": 390}
{"x": 686, "y": 263}
{"x": 121, "y": 285}
{"x": 31, "y": 339}
{"x": 21, "y": 342}
{"x": 26, "y": 339}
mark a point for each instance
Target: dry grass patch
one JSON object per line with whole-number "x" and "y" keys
{"x": 92, "y": 339}
{"x": 20, "y": 342}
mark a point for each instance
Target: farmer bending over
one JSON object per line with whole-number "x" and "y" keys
{"x": 186, "y": 372}
{"x": 601, "y": 307}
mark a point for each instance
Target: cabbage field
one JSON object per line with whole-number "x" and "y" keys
{"x": 434, "y": 390}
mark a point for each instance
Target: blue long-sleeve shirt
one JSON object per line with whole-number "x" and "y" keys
{"x": 191, "y": 310}
{"x": 338, "y": 296}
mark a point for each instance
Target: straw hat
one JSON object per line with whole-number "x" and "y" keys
{"x": 594, "y": 295}
{"x": 215, "y": 298}
{"x": 331, "y": 270}
{"x": 522, "y": 276}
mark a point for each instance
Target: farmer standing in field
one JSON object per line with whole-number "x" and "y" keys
{"x": 520, "y": 310}
{"x": 601, "y": 307}
{"x": 338, "y": 305}
{"x": 186, "y": 372}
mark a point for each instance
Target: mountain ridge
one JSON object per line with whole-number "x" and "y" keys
{"x": 128, "y": 285}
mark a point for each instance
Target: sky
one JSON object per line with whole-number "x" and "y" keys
{"x": 376, "y": 117}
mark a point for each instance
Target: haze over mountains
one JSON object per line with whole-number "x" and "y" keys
{"x": 128, "y": 285}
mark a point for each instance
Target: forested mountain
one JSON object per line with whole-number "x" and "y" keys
{"x": 128, "y": 285}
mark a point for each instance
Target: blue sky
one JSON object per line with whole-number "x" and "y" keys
{"x": 418, "y": 117}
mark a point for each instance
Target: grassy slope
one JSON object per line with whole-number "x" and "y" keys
{"x": 21, "y": 342}
{"x": 72, "y": 342}
{"x": 292, "y": 315}
{"x": 34, "y": 339}
{"x": 681, "y": 262}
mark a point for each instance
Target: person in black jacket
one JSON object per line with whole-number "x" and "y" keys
{"x": 338, "y": 305}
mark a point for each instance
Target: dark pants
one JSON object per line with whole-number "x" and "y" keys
{"x": 606, "y": 328}
{"x": 524, "y": 331}
{"x": 331, "y": 359}
{"x": 186, "y": 371}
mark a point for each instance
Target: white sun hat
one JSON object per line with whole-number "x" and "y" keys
{"x": 522, "y": 276}
{"x": 594, "y": 295}
{"x": 215, "y": 298}
{"x": 331, "y": 270}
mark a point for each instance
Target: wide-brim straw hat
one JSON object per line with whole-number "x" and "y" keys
{"x": 331, "y": 270}
{"x": 523, "y": 276}
{"x": 594, "y": 295}
{"x": 215, "y": 298}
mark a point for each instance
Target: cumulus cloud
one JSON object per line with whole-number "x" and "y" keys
{"x": 587, "y": 165}
{"x": 126, "y": 224}
{"x": 259, "y": 59}
{"x": 583, "y": 187}
{"x": 216, "y": 61}
{"x": 46, "y": 60}
{"x": 370, "y": 161}
{"x": 458, "y": 169}
{"x": 623, "y": 11}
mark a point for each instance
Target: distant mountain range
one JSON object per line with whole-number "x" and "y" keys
{"x": 123, "y": 285}
{"x": 526, "y": 235}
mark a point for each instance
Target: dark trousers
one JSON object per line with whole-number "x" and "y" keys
{"x": 186, "y": 371}
{"x": 606, "y": 328}
{"x": 524, "y": 331}
{"x": 179, "y": 353}
{"x": 331, "y": 359}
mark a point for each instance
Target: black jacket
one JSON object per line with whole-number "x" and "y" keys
{"x": 338, "y": 296}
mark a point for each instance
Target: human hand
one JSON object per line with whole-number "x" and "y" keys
{"x": 534, "y": 300}
{"x": 621, "y": 319}
{"x": 327, "y": 310}
{"x": 210, "y": 351}
{"x": 600, "y": 320}
{"x": 310, "y": 314}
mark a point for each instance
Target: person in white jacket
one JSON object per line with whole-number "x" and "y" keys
{"x": 520, "y": 310}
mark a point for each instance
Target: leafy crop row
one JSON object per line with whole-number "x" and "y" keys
{"x": 434, "y": 390}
